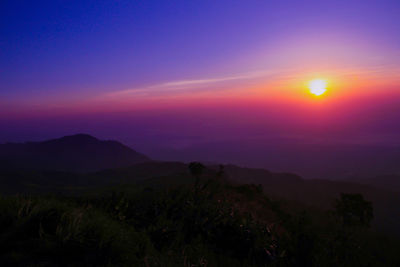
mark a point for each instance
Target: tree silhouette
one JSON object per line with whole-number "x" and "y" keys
{"x": 196, "y": 169}
{"x": 221, "y": 171}
{"x": 354, "y": 210}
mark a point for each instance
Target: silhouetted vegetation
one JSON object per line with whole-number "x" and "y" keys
{"x": 174, "y": 214}
{"x": 217, "y": 224}
{"x": 353, "y": 210}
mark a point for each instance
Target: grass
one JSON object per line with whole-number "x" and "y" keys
{"x": 218, "y": 225}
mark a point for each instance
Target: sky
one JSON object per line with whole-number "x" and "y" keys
{"x": 170, "y": 73}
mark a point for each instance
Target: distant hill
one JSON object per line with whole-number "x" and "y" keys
{"x": 79, "y": 153}
{"x": 309, "y": 160}
{"x": 389, "y": 181}
{"x": 78, "y": 163}
{"x": 261, "y": 176}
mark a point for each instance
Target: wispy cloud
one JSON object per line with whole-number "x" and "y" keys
{"x": 188, "y": 84}
{"x": 213, "y": 80}
{"x": 211, "y": 83}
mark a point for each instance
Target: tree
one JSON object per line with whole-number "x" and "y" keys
{"x": 196, "y": 169}
{"x": 221, "y": 171}
{"x": 353, "y": 210}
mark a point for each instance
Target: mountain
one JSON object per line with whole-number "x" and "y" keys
{"x": 103, "y": 191}
{"x": 334, "y": 161}
{"x": 79, "y": 153}
{"x": 387, "y": 181}
{"x": 78, "y": 163}
{"x": 261, "y": 176}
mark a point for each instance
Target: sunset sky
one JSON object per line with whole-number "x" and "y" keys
{"x": 183, "y": 70}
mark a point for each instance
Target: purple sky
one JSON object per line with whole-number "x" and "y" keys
{"x": 177, "y": 73}
{"x": 74, "y": 50}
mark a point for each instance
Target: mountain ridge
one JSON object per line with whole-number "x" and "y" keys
{"x": 79, "y": 153}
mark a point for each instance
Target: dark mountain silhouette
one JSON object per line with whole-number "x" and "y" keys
{"x": 334, "y": 161}
{"x": 79, "y": 153}
{"x": 52, "y": 167}
{"x": 261, "y": 176}
{"x": 387, "y": 181}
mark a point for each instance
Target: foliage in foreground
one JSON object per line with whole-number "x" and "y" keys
{"x": 208, "y": 224}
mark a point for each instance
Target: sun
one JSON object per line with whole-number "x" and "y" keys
{"x": 317, "y": 87}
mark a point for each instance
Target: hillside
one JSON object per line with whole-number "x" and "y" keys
{"x": 212, "y": 223}
{"x": 290, "y": 188}
{"x": 310, "y": 160}
{"x": 80, "y": 153}
{"x": 320, "y": 194}
{"x": 388, "y": 181}
{"x": 225, "y": 214}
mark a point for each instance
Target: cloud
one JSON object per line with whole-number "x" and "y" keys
{"x": 213, "y": 83}
{"x": 188, "y": 84}
{"x": 213, "y": 80}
